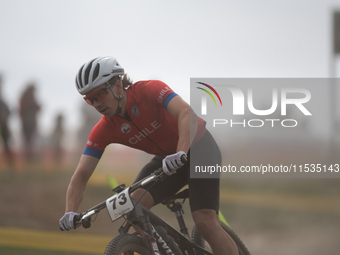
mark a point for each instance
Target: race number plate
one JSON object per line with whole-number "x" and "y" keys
{"x": 119, "y": 204}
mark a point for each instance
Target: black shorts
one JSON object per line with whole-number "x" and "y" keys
{"x": 203, "y": 193}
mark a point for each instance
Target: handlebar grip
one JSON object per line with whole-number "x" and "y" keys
{"x": 160, "y": 171}
{"x": 184, "y": 158}
{"x": 76, "y": 220}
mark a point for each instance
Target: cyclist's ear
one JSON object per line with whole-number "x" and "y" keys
{"x": 117, "y": 87}
{"x": 116, "y": 81}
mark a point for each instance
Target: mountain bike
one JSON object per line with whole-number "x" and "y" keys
{"x": 150, "y": 234}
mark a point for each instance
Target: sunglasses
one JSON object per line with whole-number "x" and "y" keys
{"x": 97, "y": 97}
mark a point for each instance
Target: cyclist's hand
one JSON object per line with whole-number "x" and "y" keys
{"x": 66, "y": 222}
{"x": 173, "y": 162}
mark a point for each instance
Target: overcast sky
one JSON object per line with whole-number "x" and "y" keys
{"x": 47, "y": 42}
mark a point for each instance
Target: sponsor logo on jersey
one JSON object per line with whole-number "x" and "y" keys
{"x": 135, "y": 110}
{"x": 126, "y": 128}
{"x": 89, "y": 143}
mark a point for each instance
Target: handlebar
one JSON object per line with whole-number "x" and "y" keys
{"x": 84, "y": 218}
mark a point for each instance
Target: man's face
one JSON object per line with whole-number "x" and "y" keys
{"x": 102, "y": 100}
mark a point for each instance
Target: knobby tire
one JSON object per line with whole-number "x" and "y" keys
{"x": 199, "y": 240}
{"x": 127, "y": 244}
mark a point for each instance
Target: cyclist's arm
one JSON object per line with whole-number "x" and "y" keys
{"x": 76, "y": 188}
{"x": 187, "y": 121}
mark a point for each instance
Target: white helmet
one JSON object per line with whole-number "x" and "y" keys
{"x": 96, "y": 72}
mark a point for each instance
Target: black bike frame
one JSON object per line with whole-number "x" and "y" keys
{"x": 136, "y": 218}
{"x": 142, "y": 217}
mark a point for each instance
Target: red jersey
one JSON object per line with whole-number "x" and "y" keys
{"x": 149, "y": 126}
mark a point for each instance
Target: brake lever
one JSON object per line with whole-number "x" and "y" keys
{"x": 77, "y": 220}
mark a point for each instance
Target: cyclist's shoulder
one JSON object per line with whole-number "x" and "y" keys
{"x": 149, "y": 84}
{"x": 103, "y": 130}
{"x": 102, "y": 123}
{"x": 147, "y": 90}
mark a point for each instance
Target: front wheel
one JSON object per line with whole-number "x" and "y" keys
{"x": 199, "y": 240}
{"x": 127, "y": 244}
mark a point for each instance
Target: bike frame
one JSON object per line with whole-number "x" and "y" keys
{"x": 145, "y": 220}
{"x": 141, "y": 216}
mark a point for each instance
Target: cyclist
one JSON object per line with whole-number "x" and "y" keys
{"x": 150, "y": 116}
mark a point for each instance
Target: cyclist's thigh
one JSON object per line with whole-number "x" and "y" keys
{"x": 205, "y": 192}
{"x": 166, "y": 188}
{"x": 154, "y": 164}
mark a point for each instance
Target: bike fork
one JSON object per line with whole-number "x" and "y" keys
{"x": 149, "y": 229}
{"x": 162, "y": 242}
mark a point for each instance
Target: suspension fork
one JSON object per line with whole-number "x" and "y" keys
{"x": 154, "y": 237}
{"x": 149, "y": 234}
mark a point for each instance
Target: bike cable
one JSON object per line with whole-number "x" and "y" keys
{"x": 137, "y": 202}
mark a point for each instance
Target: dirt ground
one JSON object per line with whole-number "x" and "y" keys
{"x": 37, "y": 201}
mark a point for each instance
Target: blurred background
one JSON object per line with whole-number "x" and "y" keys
{"x": 45, "y": 122}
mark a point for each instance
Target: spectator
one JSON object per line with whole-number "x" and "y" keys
{"x": 56, "y": 139}
{"x": 4, "y": 130}
{"x": 29, "y": 109}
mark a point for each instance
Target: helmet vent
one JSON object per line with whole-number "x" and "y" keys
{"x": 87, "y": 72}
{"x": 77, "y": 84}
{"x": 96, "y": 72}
{"x": 81, "y": 85}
